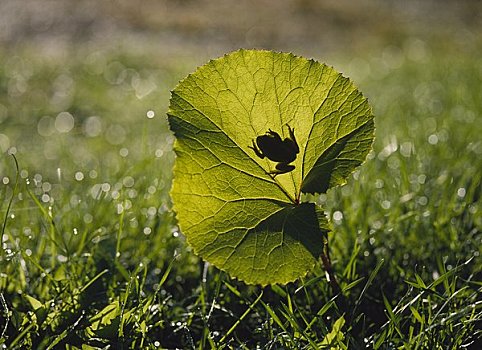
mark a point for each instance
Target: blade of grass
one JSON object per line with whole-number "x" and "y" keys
{"x": 299, "y": 332}
{"x": 276, "y": 319}
{"x": 248, "y": 310}
{"x": 7, "y": 315}
{"x": 369, "y": 282}
{"x": 119, "y": 233}
{"x": 5, "y": 219}
{"x": 4, "y": 225}
{"x": 53, "y": 231}
{"x": 393, "y": 319}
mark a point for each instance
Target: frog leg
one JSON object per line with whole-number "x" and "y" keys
{"x": 293, "y": 138}
{"x": 274, "y": 134}
{"x": 282, "y": 168}
{"x": 256, "y": 150}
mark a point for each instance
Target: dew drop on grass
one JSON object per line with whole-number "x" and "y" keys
{"x": 95, "y": 191}
{"x": 461, "y": 192}
{"x": 379, "y": 183}
{"x": 422, "y": 200}
{"x": 45, "y": 126}
{"x": 115, "y": 194}
{"x": 321, "y": 199}
{"x": 472, "y": 208}
{"x": 377, "y": 225}
{"x": 46, "y": 187}
{"x": 390, "y": 148}
{"x": 346, "y": 191}
{"x": 159, "y": 153}
{"x": 123, "y": 152}
{"x": 64, "y": 122}
{"x": 433, "y": 139}
{"x": 406, "y": 149}
{"x": 79, "y": 176}
{"x": 150, "y": 114}
{"x": 337, "y": 215}
{"x": 37, "y": 179}
{"x": 421, "y": 179}
{"x": 151, "y": 211}
{"x": 88, "y": 218}
{"x": 5, "y": 180}
{"x": 13, "y": 150}
{"x": 128, "y": 181}
{"x": 133, "y": 223}
{"x": 163, "y": 209}
{"x": 147, "y": 231}
{"x": 386, "y": 204}
{"x": 92, "y": 126}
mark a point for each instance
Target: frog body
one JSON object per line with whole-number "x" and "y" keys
{"x": 273, "y": 147}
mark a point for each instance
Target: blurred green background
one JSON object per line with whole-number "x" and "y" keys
{"x": 84, "y": 90}
{"x": 79, "y": 77}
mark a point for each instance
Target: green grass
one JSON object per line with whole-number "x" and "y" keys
{"x": 92, "y": 256}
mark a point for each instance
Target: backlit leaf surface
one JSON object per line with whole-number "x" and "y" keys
{"x": 234, "y": 213}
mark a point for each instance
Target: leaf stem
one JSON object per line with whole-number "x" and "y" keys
{"x": 340, "y": 300}
{"x": 330, "y": 274}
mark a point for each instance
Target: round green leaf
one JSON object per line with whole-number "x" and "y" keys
{"x": 235, "y": 212}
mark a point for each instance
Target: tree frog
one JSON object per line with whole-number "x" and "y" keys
{"x": 271, "y": 145}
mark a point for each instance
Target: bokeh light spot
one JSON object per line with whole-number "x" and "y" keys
{"x": 150, "y": 114}
{"x": 64, "y": 122}
{"x": 92, "y": 126}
